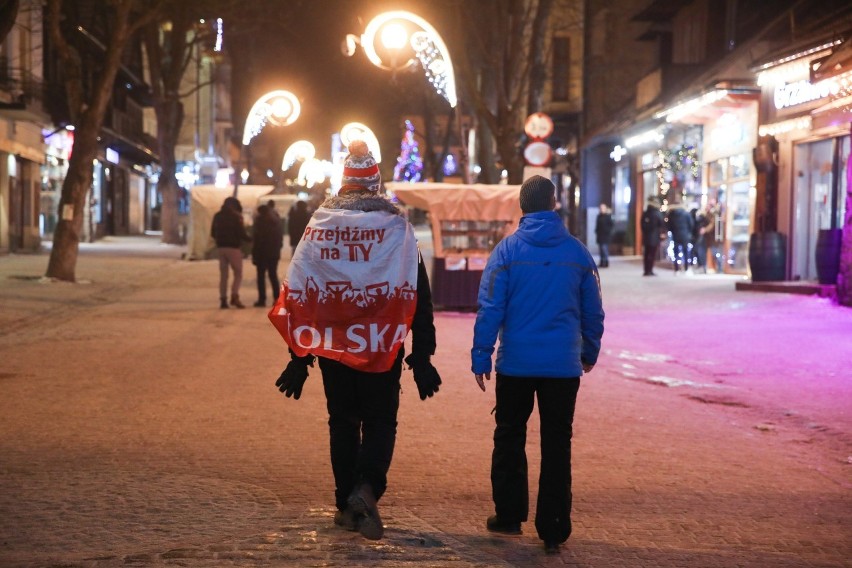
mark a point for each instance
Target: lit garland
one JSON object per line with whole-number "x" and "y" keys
{"x": 683, "y": 159}
{"x": 433, "y": 63}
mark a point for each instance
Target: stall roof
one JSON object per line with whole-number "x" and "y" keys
{"x": 458, "y": 202}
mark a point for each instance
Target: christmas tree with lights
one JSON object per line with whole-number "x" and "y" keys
{"x": 409, "y": 164}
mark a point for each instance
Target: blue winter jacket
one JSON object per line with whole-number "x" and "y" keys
{"x": 540, "y": 291}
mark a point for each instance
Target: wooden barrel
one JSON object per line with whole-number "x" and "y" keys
{"x": 827, "y": 255}
{"x": 767, "y": 257}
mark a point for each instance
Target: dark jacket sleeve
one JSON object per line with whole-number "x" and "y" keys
{"x": 423, "y": 326}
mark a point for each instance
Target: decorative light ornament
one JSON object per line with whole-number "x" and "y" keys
{"x": 311, "y": 173}
{"x": 281, "y": 108}
{"x": 298, "y": 150}
{"x": 358, "y": 131}
{"x": 429, "y": 49}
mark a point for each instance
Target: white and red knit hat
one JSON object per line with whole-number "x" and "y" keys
{"x": 360, "y": 170}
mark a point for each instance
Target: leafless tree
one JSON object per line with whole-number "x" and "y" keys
{"x": 88, "y": 107}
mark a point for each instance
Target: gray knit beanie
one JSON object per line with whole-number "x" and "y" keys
{"x": 537, "y": 194}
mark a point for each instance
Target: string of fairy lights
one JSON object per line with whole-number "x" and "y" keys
{"x": 683, "y": 159}
{"x": 433, "y": 63}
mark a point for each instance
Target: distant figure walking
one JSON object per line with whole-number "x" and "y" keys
{"x": 652, "y": 225}
{"x": 700, "y": 224}
{"x": 297, "y": 220}
{"x": 266, "y": 252}
{"x": 229, "y": 232}
{"x": 603, "y": 232}
{"x": 679, "y": 222}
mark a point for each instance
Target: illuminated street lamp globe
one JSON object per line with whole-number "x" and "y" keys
{"x": 358, "y": 131}
{"x": 425, "y": 42}
{"x": 301, "y": 150}
{"x": 280, "y": 108}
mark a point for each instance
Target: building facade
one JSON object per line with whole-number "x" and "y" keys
{"x": 701, "y": 118}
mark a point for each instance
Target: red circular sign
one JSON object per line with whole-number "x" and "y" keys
{"x": 538, "y": 126}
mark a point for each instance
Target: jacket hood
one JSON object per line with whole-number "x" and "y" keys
{"x": 361, "y": 201}
{"x": 542, "y": 228}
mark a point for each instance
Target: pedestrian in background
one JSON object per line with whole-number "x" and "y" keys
{"x": 266, "y": 252}
{"x": 714, "y": 237}
{"x": 700, "y": 224}
{"x": 679, "y": 223}
{"x": 540, "y": 294}
{"x": 297, "y": 220}
{"x": 229, "y": 232}
{"x": 603, "y": 232}
{"x": 652, "y": 226}
{"x": 358, "y": 268}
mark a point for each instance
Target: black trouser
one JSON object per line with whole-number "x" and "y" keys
{"x": 681, "y": 255}
{"x": 649, "y": 256}
{"x": 362, "y": 409}
{"x": 269, "y": 267}
{"x": 509, "y": 485}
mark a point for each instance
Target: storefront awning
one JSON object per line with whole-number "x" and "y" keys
{"x": 709, "y": 106}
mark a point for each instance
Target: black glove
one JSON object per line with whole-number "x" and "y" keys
{"x": 425, "y": 375}
{"x": 294, "y": 376}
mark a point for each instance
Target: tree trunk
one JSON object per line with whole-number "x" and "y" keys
{"x": 66, "y": 239}
{"x": 538, "y": 70}
{"x": 88, "y": 116}
{"x": 169, "y": 121}
{"x": 844, "y": 278}
{"x": 8, "y": 15}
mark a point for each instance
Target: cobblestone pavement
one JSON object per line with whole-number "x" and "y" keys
{"x": 140, "y": 426}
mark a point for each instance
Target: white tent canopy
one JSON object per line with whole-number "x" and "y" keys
{"x": 205, "y": 201}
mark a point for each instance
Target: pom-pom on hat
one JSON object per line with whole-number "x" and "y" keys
{"x": 537, "y": 194}
{"x": 360, "y": 170}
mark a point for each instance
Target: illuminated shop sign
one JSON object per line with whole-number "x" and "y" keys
{"x": 800, "y": 92}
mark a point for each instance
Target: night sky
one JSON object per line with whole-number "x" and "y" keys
{"x": 300, "y": 51}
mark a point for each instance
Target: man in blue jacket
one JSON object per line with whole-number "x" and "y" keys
{"x": 541, "y": 293}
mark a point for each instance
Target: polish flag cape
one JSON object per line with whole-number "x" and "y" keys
{"x": 351, "y": 289}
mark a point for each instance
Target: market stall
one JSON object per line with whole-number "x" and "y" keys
{"x": 467, "y": 220}
{"x": 205, "y": 201}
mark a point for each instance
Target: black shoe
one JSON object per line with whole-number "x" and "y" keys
{"x": 260, "y": 304}
{"x": 496, "y": 525}
{"x": 551, "y": 547}
{"x": 362, "y": 502}
{"x": 223, "y": 304}
{"x": 346, "y": 519}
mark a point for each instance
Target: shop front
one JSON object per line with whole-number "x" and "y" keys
{"x": 807, "y": 116}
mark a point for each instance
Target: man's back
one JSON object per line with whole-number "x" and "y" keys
{"x": 540, "y": 290}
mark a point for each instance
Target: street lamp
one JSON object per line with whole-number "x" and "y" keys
{"x": 358, "y": 131}
{"x": 279, "y": 108}
{"x": 427, "y": 48}
{"x": 300, "y": 150}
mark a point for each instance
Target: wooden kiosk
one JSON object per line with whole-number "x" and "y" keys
{"x": 468, "y": 220}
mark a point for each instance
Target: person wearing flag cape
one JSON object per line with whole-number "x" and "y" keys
{"x": 354, "y": 289}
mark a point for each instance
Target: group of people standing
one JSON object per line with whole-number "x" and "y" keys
{"x": 230, "y": 235}
{"x": 539, "y": 294}
{"x": 692, "y": 233}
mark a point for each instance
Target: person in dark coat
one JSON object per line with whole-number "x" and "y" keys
{"x": 297, "y": 220}
{"x": 652, "y": 225}
{"x": 266, "y": 251}
{"x": 362, "y": 399}
{"x": 679, "y": 223}
{"x": 603, "y": 232}
{"x": 229, "y": 232}
{"x": 700, "y": 224}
